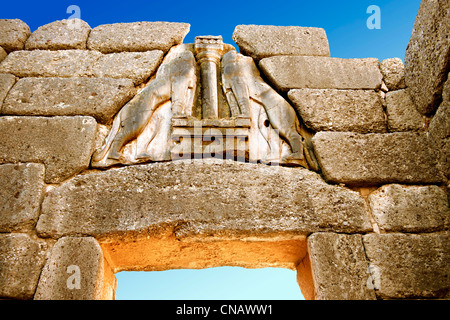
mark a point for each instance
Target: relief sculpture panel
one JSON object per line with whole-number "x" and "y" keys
{"x": 206, "y": 100}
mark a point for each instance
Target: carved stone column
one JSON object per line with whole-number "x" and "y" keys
{"x": 208, "y": 51}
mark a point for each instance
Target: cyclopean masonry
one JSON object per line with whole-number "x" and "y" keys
{"x": 123, "y": 148}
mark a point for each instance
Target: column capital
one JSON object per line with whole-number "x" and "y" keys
{"x": 208, "y": 48}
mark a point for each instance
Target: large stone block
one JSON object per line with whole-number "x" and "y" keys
{"x": 100, "y": 98}
{"x": 201, "y": 197}
{"x": 13, "y": 34}
{"x": 46, "y": 63}
{"x": 21, "y": 195}
{"x": 3, "y": 54}
{"x": 410, "y": 208}
{"x": 393, "y": 72}
{"x": 340, "y": 110}
{"x": 63, "y": 144}
{"x": 295, "y": 72}
{"x": 21, "y": 262}
{"x": 375, "y": 159}
{"x": 60, "y": 35}
{"x": 439, "y": 128}
{"x": 446, "y": 90}
{"x": 75, "y": 270}
{"x": 409, "y": 265}
{"x": 443, "y": 157}
{"x": 439, "y": 132}
{"x": 427, "y": 57}
{"x": 6, "y": 83}
{"x": 402, "y": 113}
{"x": 339, "y": 267}
{"x": 137, "y": 36}
{"x": 137, "y": 66}
{"x": 262, "y": 41}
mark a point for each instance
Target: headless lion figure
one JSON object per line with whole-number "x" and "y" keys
{"x": 242, "y": 82}
{"x": 172, "y": 82}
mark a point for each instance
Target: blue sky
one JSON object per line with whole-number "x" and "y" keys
{"x": 224, "y": 283}
{"x": 348, "y": 36}
{"x": 344, "y": 21}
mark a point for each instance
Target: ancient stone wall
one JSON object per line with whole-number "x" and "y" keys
{"x": 365, "y": 217}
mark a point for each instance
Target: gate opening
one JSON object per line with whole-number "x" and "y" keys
{"x": 220, "y": 283}
{"x": 275, "y": 264}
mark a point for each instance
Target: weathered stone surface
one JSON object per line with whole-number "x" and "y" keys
{"x": 74, "y": 271}
{"x": 410, "y": 265}
{"x": 60, "y": 35}
{"x": 137, "y": 36}
{"x": 6, "y": 83}
{"x": 340, "y": 110}
{"x": 443, "y": 156}
{"x": 3, "y": 54}
{"x": 21, "y": 261}
{"x": 100, "y": 98}
{"x": 13, "y": 34}
{"x": 410, "y": 208}
{"x": 427, "y": 57}
{"x": 446, "y": 90}
{"x": 262, "y": 41}
{"x": 439, "y": 132}
{"x": 202, "y": 197}
{"x": 393, "y": 72}
{"x": 339, "y": 267}
{"x": 375, "y": 159}
{"x": 295, "y": 72}
{"x": 46, "y": 63}
{"x": 63, "y": 144}
{"x": 20, "y": 196}
{"x": 440, "y": 124}
{"x": 402, "y": 113}
{"x": 137, "y": 66}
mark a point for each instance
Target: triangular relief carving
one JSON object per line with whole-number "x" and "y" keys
{"x": 206, "y": 100}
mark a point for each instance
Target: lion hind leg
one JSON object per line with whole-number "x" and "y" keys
{"x": 99, "y": 155}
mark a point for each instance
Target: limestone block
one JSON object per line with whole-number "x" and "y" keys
{"x": 340, "y": 110}
{"x": 6, "y": 83}
{"x": 410, "y": 265}
{"x": 446, "y": 90}
{"x": 443, "y": 156}
{"x": 402, "y": 113}
{"x": 75, "y": 270}
{"x": 410, "y": 208}
{"x": 262, "y": 41}
{"x": 60, "y": 35}
{"x": 137, "y": 36}
{"x": 46, "y": 63}
{"x": 100, "y": 98}
{"x": 295, "y": 72}
{"x": 440, "y": 145}
{"x": 63, "y": 144}
{"x": 439, "y": 132}
{"x": 201, "y": 197}
{"x": 339, "y": 267}
{"x": 440, "y": 124}
{"x": 428, "y": 54}
{"x": 21, "y": 195}
{"x": 21, "y": 261}
{"x": 375, "y": 159}
{"x": 13, "y": 34}
{"x": 393, "y": 72}
{"x": 137, "y": 66}
{"x": 3, "y": 54}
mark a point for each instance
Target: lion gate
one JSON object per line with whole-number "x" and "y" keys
{"x": 124, "y": 149}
